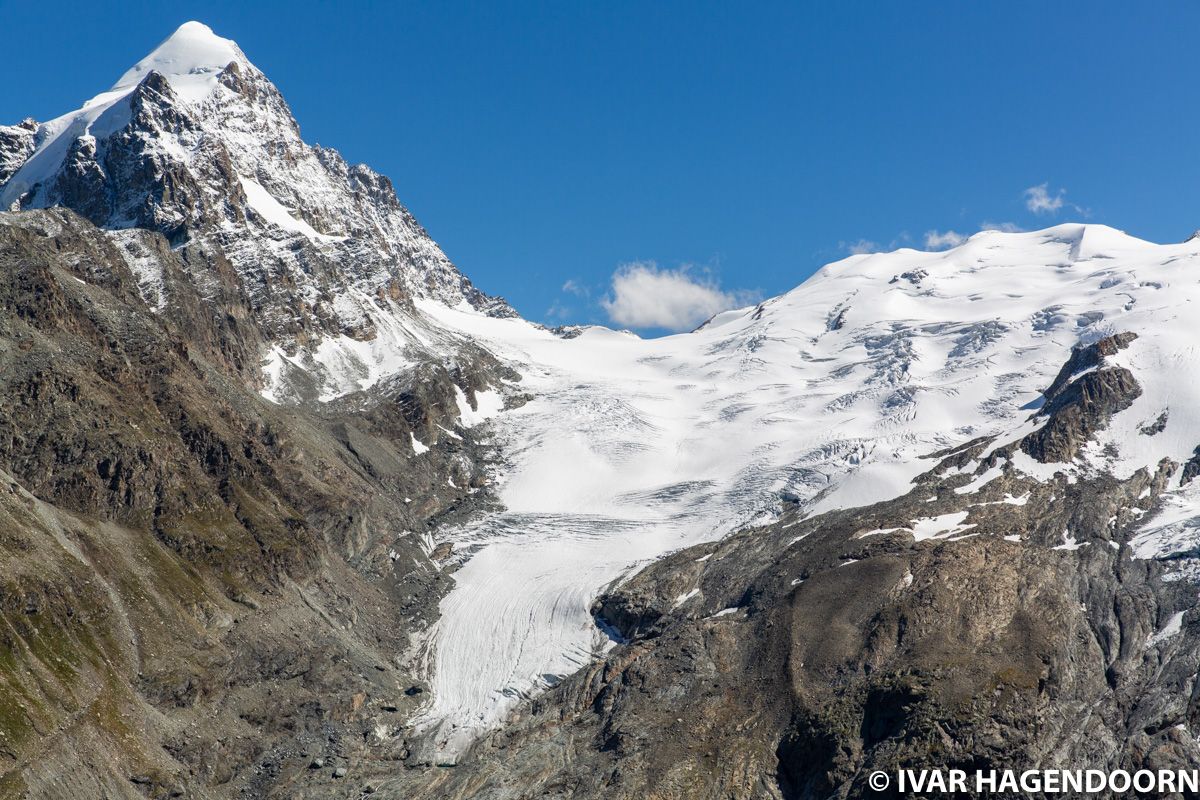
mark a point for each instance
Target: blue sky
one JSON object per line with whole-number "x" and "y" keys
{"x": 688, "y": 147}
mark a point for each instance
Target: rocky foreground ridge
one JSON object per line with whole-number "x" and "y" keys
{"x": 198, "y": 584}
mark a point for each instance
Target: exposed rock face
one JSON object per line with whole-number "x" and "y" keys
{"x": 202, "y": 591}
{"x": 16, "y": 145}
{"x": 1082, "y": 399}
{"x": 1192, "y": 468}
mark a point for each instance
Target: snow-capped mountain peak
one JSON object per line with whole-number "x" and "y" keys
{"x": 191, "y": 58}
{"x": 195, "y": 143}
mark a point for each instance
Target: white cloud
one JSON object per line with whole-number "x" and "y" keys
{"x": 644, "y": 296}
{"x": 558, "y": 311}
{"x": 859, "y": 247}
{"x": 869, "y": 246}
{"x": 940, "y": 240}
{"x": 572, "y": 287}
{"x": 1039, "y": 200}
{"x": 933, "y": 239}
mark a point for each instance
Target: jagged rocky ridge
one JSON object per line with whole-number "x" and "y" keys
{"x": 204, "y": 591}
{"x": 195, "y": 143}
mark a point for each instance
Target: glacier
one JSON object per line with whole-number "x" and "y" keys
{"x": 829, "y": 396}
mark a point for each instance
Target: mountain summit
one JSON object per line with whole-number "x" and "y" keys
{"x": 190, "y": 59}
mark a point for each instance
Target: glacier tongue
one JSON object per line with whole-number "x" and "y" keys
{"x": 825, "y": 397}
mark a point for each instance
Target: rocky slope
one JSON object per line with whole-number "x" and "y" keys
{"x": 207, "y": 592}
{"x": 202, "y": 591}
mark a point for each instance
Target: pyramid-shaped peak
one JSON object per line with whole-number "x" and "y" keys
{"x": 190, "y": 58}
{"x": 194, "y": 29}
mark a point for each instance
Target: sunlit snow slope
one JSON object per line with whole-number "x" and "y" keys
{"x": 826, "y": 396}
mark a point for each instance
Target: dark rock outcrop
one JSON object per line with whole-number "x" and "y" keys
{"x": 1081, "y": 400}
{"x": 1191, "y": 468}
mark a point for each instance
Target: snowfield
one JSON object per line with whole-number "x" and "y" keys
{"x": 827, "y": 396}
